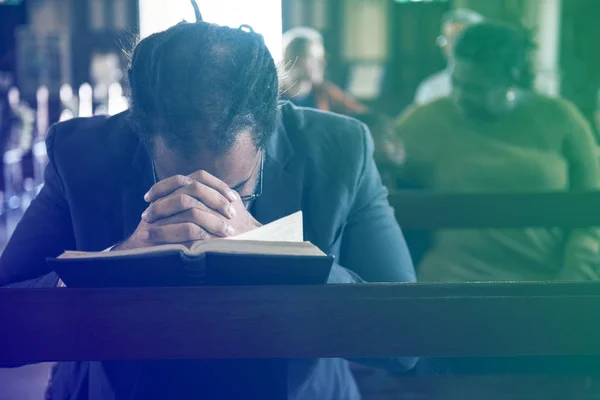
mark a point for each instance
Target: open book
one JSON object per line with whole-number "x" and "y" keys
{"x": 281, "y": 237}
{"x": 272, "y": 254}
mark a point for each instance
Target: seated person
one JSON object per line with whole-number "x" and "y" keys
{"x": 497, "y": 135}
{"x": 184, "y": 164}
{"x": 439, "y": 84}
{"x": 303, "y": 81}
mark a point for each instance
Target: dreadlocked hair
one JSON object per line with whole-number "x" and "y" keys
{"x": 501, "y": 49}
{"x": 200, "y": 85}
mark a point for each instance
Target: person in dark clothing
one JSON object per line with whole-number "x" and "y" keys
{"x": 208, "y": 151}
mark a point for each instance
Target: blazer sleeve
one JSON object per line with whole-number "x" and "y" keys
{"x": 44, "y": 231}
{"x": 373, "y": 247}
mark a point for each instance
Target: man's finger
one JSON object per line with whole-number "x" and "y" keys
{"x": 209, "y": 197}
{"x": 166, "y": 187}
{"x": 204, "y": 195}
{"x": 170, "y": 185}
{"x": 207, "y": 220}
{"x": 176, "y": 233}
{"x": 166, "y": 207}
{"x": 215, "y": 183}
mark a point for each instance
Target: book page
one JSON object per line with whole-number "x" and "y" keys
{"x": 256, "y": 247}
{"x": 225, "y": 246}
{"x": 162, "y": 249}
{"x": 286, "y": 229}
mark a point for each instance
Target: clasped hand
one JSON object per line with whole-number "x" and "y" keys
{"x": 185, "y": 209}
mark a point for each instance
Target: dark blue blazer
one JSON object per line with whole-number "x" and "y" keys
{"x": 317, "y": 162}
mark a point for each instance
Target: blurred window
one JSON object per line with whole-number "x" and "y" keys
{"x": 158, "y": 15}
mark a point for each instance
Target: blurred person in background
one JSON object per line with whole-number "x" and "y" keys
{"x": 303, "y": 81}
{"x": 439, "y": 84}
{"x": 23, "y": 123}
{"x": 7, "y": 118}
{"x": 17, "y": 129}
{"x": 6, "y": 114}
{"x": 496, "y": 135}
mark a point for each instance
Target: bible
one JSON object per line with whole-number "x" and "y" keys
{"x": 273, "y": 254}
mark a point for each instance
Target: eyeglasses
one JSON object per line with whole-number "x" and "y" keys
{"x": 246, "y": 198}
{"x": 259, "y": 186}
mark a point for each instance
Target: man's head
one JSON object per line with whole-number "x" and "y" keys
{"x": 204, "y": 96}
{"x": 453, "y": 23}
{"x": 492, "y": 64}
{"x": 304, "y": 55}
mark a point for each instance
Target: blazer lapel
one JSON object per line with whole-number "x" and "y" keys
{"x": 136, "y": 182}
{"x": 281, "y": 194}
{"x": 132, "y": 175}
{"x": 282, "y": 191}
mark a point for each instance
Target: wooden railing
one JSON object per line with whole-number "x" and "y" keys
{"x": 359, "y": 321}
{"x": 427, "y": 210}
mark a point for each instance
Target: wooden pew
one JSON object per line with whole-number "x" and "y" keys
{"x": 359, "y": 321}
{"x": 421, "y": 212}
{"x": 72, "y": 318}
{"x": 429, "y": 210}
{"x": 513, "y": 320}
